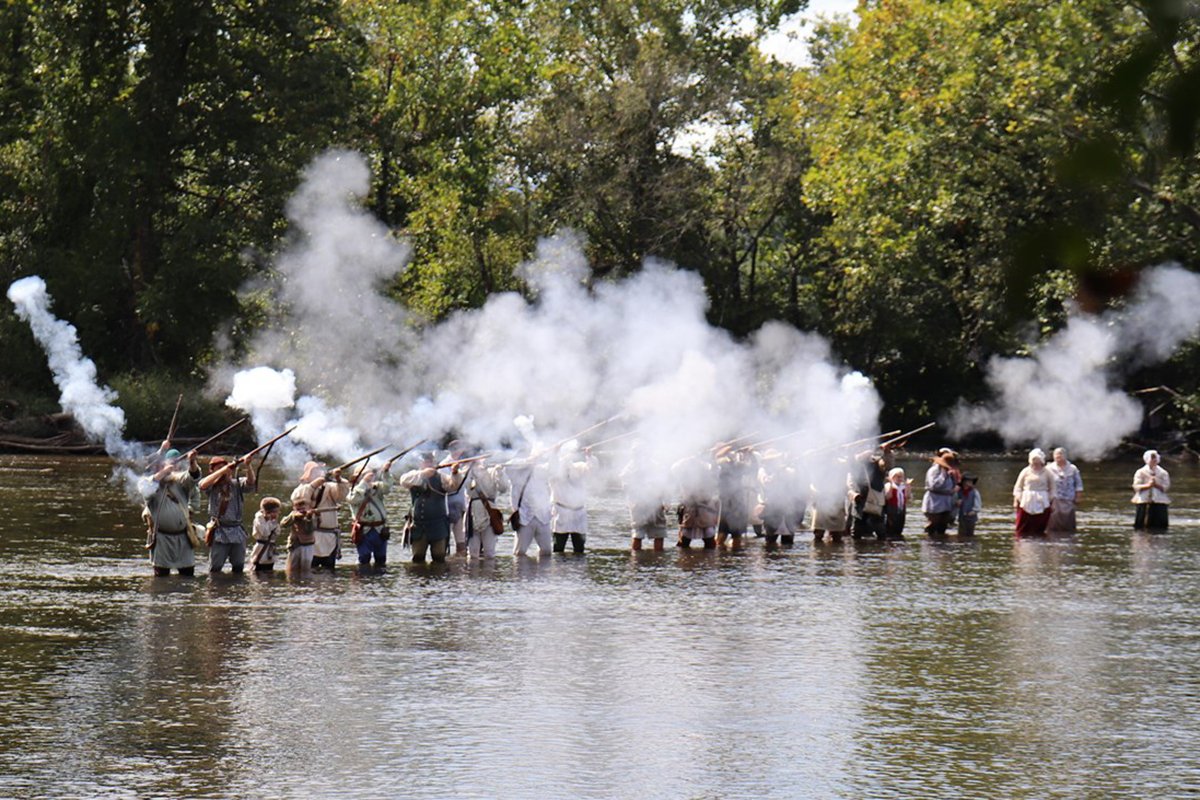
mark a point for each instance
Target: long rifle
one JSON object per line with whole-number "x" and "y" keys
{"x": 456, "y": 462}
{"x": 405, "y": 451}
{"x": 855, "y": 443}
{"x": 218, "y": 435}
{"x": 243, "y": 458}
{"x": 152, "y": 539}
{"x": 732, "y": 442}
{"x": 266, "y": 455}
{"x": 174, "y": 418}
{"x": 352, "y": 462}
{"x": 591, "y": 428}
{"x": 904, "y": 436}
{"x": 539, "y": 451}
{"x": 610, "y": 439}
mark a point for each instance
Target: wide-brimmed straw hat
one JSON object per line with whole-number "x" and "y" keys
{"x": 946, "y": 458}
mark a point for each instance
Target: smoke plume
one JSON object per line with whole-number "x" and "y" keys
{"x": 1067, "y": 391}
{"x": 74, "y": 374}
{"x": 522, "y": 369}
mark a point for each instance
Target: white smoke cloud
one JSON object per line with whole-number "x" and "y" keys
{"x": 91, "y": 404}
{"x": 573, "y": 355}
{"x": 1067, "y": 391}
{"x": 80, "y": 395}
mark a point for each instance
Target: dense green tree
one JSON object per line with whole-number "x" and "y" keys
{"x": 940, "y": 130}
{"x": 154, "y": 145}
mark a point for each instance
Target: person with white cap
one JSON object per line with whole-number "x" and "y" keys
{"x": 1031, "y": 495}
{"x": 1150, "y": 486}
{"x": 323, "y": 494}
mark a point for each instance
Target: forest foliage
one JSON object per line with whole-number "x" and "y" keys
{"x": 934, "y": 187}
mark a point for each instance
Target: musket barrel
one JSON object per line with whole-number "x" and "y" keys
{"x": 349, "y": 464}
{"x": 174, "y": 418}
{"x": 218, "y": 435}
{"x": 909, "y": 434}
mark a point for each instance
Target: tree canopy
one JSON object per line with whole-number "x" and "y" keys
{"x": 933, "y": 186}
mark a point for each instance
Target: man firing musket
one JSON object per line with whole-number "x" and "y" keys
{"x": 369, "y": 531}
{"x": 225, "y": 534}
{"x": 323, "y": 492}
{"x": 167, "y": 490}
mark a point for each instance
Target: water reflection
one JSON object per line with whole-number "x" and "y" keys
{"x": 992, "y": 667}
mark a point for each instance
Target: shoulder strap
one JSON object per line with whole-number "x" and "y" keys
{"x": 521, "y": 496}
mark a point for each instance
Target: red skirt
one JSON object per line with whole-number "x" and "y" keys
{"x": 1032, "y": 524}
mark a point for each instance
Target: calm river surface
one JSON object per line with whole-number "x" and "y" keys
{"x": 994, "y": 668}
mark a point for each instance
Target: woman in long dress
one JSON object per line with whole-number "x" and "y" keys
{"x": 1150, "y": 486}
{"x": 1068, "y": 486}
{"x": 1031, "y": 495}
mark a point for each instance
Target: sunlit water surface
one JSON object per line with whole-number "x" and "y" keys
{"x": 993, "y": 668}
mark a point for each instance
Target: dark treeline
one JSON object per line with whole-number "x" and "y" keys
{"x": 931, "y": 190}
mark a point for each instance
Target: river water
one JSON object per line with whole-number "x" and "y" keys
{"x": 998, "y": 668}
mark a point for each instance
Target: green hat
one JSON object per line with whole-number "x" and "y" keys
{"x": 172, "y": 454}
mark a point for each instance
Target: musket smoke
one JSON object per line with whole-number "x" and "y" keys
{"x": 1067, "y": 391}
{"x": 74, "y": 374}
{"x": 573, "y": 354}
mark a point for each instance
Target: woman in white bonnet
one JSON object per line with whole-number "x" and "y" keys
{"x": 1031, "y": 495}
{"x": 1150, "y": 486}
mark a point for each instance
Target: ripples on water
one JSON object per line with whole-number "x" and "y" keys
{"x": 994, "y": 668}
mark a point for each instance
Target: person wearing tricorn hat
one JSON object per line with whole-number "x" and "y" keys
{"x": 941, "y": 481}
{"x": 166, "y": 493}
{"x": 867, "y": 493}
{"x": 430, "y": 515}
{"x": 970, "y": 504}
{"x": 226, "y": 497}
{"x": 324, "y": 494}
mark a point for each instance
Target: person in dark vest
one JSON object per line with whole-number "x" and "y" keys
{"x": 867, "y": 484}
{"x": 430, "y": 513}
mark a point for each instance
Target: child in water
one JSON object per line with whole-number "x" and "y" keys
{"x": 301, "y": 537}
{"x": 266, "y": 528}
{"x": 970, "y": 504}
{"x": 895, "y": 507}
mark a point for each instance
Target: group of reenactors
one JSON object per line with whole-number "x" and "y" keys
{"x": 718, "y": 496}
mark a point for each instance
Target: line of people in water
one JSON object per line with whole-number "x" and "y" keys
{"x": 721, "y": 496}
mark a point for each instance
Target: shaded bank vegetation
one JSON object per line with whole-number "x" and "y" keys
{"x": 930, "y": 191}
